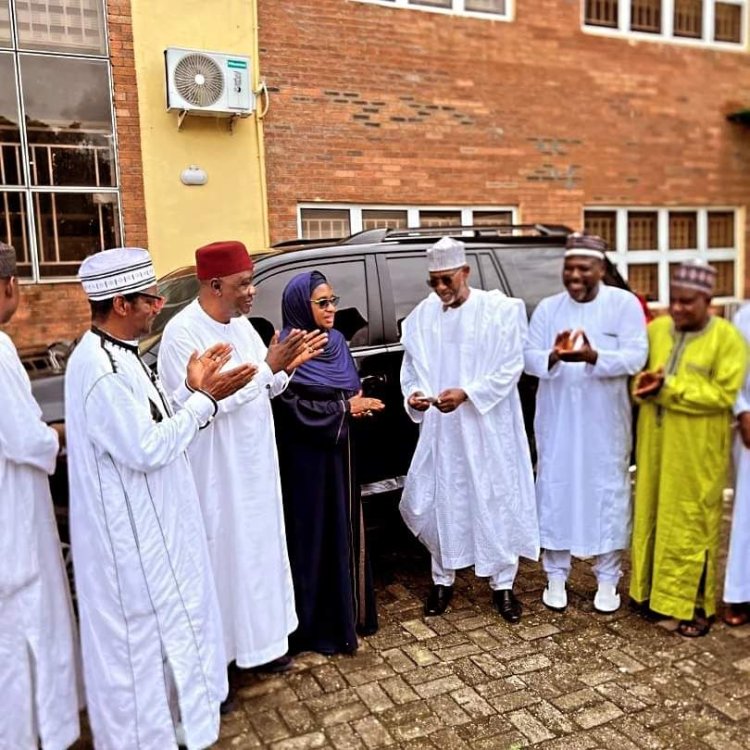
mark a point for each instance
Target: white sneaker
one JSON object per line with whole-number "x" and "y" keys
{"x": 555, "y": 596}
{"x": 607, "y": 599}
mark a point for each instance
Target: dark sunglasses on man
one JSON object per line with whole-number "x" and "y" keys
{"x": 444, "y": 279}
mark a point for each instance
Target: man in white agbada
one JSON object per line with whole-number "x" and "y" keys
{"x": 737, "y": 581}
{"x": 469, "y": 492}
{"x": 583, "y": 344}
{"x": 234, "y": 461}
{"x": 38, "y": 642}
{"x": 153, "y": 654}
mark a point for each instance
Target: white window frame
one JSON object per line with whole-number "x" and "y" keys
{"x": 667, "y": 26}
{"x": 662, "y": 257}
{"x": 458, "y": 9}
{"x": 412, "y": 212}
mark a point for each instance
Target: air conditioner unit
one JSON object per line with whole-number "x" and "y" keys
{"x": 208, "y": 83}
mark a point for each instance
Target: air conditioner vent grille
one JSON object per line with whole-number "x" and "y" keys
{"x": 199, "y": 80}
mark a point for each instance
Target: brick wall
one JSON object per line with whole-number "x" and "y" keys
{"x": 51, "y": 312}
{"x": 371, "y": 104}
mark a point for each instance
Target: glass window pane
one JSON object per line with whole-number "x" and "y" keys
{"x": 71, "y": 226}
{"x": 432, "y": 3}
{"x": 383, "y": 219}
{"x": 486, "y": 6}
{"x": 721, "y": 229}
{"x": 724, "y": 278}
{"x": 642, "y": 230}
{"x": 492, "y": 219}
{"x": 439, "y": 218}
{"x": 645, "y": 15}
{"x": 5, "y": 35}
{"x": 603, "y": 224}
{"x": 601, "y": 13}
{"x": 644, "y": 279}
{"x": 61, "y": 25}
{"x": 325, "y": 223}
{"x": 688, "y": 18}
{"x": 14, "y": 229}
{"x": 683, "y": 230}
{"x": 728, "y": 22}
{"x": 11, "y": 171}
{"x": 68, "y": 121}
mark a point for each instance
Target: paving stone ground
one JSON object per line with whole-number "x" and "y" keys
{"x": 570, "y": 681}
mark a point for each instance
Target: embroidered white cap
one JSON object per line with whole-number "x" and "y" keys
{"x": 122, "y": 270}
{"x": 446, "y": 254}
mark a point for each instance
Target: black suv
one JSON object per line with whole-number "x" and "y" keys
{"x": 380, "y": 276}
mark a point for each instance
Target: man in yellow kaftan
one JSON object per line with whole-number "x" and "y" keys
{"x": 696, "y": 367}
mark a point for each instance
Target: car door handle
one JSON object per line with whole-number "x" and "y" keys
{"x": 374, "y": 380}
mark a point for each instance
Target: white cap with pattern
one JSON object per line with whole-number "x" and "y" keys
{"x": 122, "y": 270}
{"x": 446, "y": 254}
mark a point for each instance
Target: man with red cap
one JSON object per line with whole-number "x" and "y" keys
{"x": 695, "y": 369}
{"x": 234, "y": 461}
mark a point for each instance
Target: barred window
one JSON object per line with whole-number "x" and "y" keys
{"x": 500, "y": 9}
{"x": 717, "y": 22}
{"x": 646, "y": 244}
{"x": 59, "y": 197}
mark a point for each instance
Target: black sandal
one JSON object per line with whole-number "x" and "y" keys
{"x": 699, "y": 626}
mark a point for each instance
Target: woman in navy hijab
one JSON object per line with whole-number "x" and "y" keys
{"x": 325, "y": 533}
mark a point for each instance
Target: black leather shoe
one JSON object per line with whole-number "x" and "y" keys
{"x": 438, "y": 600}
{"x": 508, "y": 607}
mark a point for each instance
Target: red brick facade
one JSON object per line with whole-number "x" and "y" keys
{"x": 52, "y": 312}
{"x": 371, "y": 104}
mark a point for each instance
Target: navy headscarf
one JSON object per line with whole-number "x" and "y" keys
{"x": 334, "y": 367}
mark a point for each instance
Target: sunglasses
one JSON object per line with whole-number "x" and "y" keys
{"x": 324, "y": 302}
{"x": 155, "y": 300}
{"x": 444, "y": 279}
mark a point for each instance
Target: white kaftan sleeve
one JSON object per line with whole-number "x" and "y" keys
{"x": 409, "y": 385}
{"x": 632, "y": 339}
{"x": 742, "y": 322}
{"x": 122, "y": 425}
{"x": 538, "y": 347}
{"x": 489, "y": 390}
{"x": 24, "y": 438}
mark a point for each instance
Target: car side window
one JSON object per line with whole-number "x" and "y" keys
{"x": 409, "y": 281}
{"x": 532, "y": 272}
{"x": 349, "y": 282}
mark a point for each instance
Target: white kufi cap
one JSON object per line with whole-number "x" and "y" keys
{"x": 122, "y": 270}
{"x": 446, "y": 254}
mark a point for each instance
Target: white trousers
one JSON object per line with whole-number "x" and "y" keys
{"x": 503, "y": 579}
{"x": 607, "y": 567}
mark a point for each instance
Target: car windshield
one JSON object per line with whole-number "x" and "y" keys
{"x": 178, "y": 293}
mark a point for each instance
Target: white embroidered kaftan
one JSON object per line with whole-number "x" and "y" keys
{"x": 148, "y": 609}
{"x": 38, "y": 641}
{"x": 469, "y": 493}
{"x": 236, "y": 470}
{"x": 583, "y": 421}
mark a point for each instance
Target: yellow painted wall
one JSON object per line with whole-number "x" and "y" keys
{"x": 232, "y": 204}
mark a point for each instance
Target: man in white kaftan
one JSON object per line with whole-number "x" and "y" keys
{"x": 153, "y": 654}
{"x": 38, "y": 642}
{"x": 737, "y": 581}
{"x": 583, "y": 345}
{"x": 234, "y": 461}
{"x": 469, "y": 492}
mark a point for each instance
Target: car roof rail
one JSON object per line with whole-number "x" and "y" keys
{"x": 480, "y": 231}
{"x": 300, "y": 243}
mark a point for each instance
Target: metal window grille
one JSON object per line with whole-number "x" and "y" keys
{"x": 485, "y": 6}
{"x": 644, "y": 279}
{"x": 724, "y": 278}
{"x": 601, "y": 13}
{"x": 683, "y": 230}
{"x": 602, "y": 223}
{"x": 71, "y": 24}
{"x": 325, "y": 223}
{"x": 433, "y": 3}
{"x": 728, "y": 22}
{"x": 721, "y": 229}
{"x": 688, "y": 18}
{"x": 383, "y": 219}
{"x": 645, "y": 15}
{"x": 439, "y": 218}
{"x": 642, "y": 230}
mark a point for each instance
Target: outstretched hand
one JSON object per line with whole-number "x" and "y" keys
{"x": 314, "y": 343}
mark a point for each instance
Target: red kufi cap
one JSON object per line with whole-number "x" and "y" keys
{"x": 221, "y": 259}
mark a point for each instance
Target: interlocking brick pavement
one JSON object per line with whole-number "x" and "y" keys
{"x": 467, "y": 680}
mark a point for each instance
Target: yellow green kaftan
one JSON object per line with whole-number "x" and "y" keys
{"x": 682, "y": 455}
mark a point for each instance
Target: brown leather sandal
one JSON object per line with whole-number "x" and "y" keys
{"x": 736, "y": 615}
